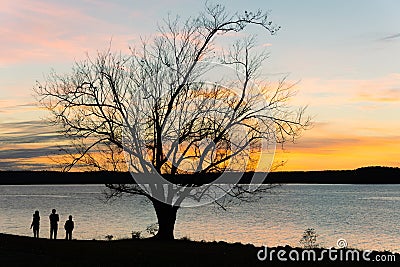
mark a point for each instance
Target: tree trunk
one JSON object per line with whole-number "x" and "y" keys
{"x": 166, "y": 216}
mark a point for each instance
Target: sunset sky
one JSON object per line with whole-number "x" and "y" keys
{"x": 345, "y": 54}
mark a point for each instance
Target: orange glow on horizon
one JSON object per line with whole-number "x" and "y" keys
{"x": 368, "y": 151}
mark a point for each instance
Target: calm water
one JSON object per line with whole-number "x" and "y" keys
{"x": 367, "y": 216}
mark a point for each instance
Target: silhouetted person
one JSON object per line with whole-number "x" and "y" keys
{"x": 54, "y": 218}
{"x": 69, "y": 227}
{"x": 35, "y": 224}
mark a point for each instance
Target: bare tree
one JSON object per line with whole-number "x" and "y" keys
{"x": 155, "y": 112}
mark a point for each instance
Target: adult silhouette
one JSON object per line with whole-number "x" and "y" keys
{"x": 54, "y": 218}
{"x": 35, "y": 224}
{"x": 69, "y": 227}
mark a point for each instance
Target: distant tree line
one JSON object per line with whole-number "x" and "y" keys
{"x": 365, "y": 175}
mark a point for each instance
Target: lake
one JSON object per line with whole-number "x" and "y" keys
{"x": 367, "y": 216}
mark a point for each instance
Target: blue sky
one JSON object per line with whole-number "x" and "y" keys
{"x": 344, "y": 53}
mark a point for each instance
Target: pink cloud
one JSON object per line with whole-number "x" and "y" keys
{"x": 266, "y": 45}
{"x": 38, "y": 31}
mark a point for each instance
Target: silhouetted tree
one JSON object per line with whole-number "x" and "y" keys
{"x": 154, "y": 113}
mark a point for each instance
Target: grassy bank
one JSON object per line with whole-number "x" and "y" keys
{"x": 27, "y": 251}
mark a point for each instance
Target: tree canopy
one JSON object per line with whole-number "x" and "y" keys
{"x": 179, "y": 103}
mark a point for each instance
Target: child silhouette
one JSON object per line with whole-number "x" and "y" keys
{"x": 35, "y": 224}
{"x": 69, "y": 227}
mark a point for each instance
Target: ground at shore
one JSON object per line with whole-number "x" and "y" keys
{"x": 27, "y": 251}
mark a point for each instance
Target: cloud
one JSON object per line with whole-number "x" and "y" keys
{"x": 49, "y": 31}
{"x": 326, "y": 144}
{"x": 342, "y": 144}
{"x": 28, "y": 145}
{"x": 390, "y": 37}
{"x": 28, "y": 133}
{"x": 33, "y": 127}
{"x": 326, "y": 93}
{"x": 13, "y": 107}
{"x": 28, "y": 153}
{"x": 20, "y": 165}
{"x": 266, "y": 45}
{"x": 386, "y": 95}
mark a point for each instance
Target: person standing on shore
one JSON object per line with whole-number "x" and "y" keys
{"x": 35, "y": 224}
{"x": 69, "y": 227}
{"x": 54, "y": 218}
